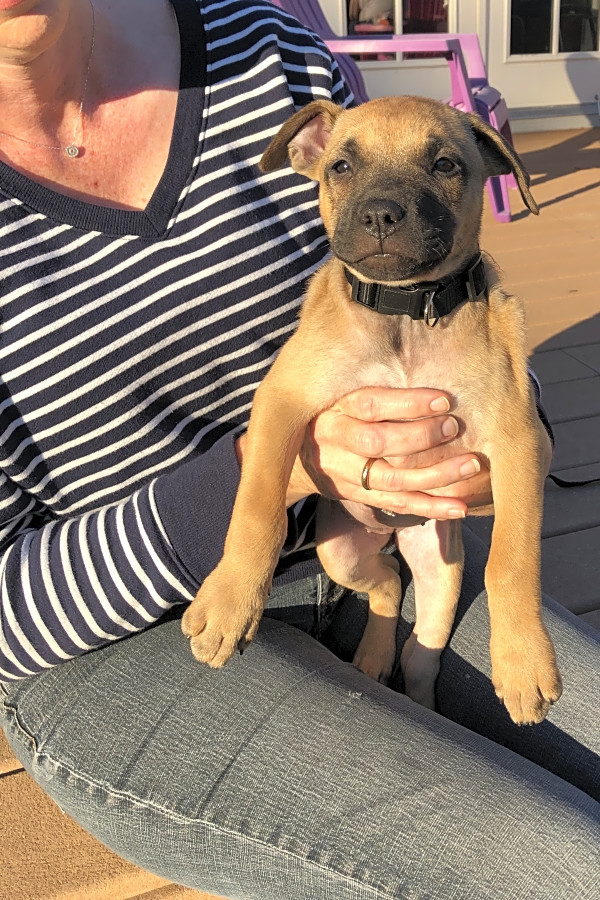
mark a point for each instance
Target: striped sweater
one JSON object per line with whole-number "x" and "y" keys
{"x": 132, "y": 343}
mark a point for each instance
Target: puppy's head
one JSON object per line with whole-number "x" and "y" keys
{"x": 401, "y": 182}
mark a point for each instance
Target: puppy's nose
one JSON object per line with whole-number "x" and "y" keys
{"x": 380, "y": 218}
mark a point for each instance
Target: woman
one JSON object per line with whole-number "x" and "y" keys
{"x": 150, "y": 276}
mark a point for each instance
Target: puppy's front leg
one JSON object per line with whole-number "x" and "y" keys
{"x": 227, "y": 609}
{"x": 524, "y": 670}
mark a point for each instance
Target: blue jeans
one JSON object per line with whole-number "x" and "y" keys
{"x": 289, "y": 775}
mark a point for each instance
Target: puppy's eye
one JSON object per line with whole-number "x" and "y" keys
{"x": 341, "y": 167}
{"x": 445, "y": 165}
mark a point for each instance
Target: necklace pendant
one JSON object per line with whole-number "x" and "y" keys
{"x": 72, "y": 151}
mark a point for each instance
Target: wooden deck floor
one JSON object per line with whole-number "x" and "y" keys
{"x": 553, "y": 262}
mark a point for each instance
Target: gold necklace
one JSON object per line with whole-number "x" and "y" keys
{"x": 72, "y": 150}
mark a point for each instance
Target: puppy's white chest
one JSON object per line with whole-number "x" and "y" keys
{"x": 437, "y": 362}
{"x": 435, "y": 366}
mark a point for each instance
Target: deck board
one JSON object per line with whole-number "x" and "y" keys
{"x": 553, "y": 262}
{"x": 580, "y": 582}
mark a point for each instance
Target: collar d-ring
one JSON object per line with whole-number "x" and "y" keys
{"x": 429, "y": 306}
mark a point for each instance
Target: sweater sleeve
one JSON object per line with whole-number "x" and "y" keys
{"x": 69, "y": 586}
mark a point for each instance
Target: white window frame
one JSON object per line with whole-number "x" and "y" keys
{"x": 554, "y": 53}
{"x": 342, "y": 17}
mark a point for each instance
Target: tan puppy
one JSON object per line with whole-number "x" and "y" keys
{"x": 401, "y": 184}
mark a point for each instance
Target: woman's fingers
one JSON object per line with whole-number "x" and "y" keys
{"x": 427, "y": 506}
{"x": 453, "y": 487}
{"x": 407, "y": 435}
{"x": 393, "y": 404}
{"x": 384, "y": 477}
{"x": 388, "y": 439}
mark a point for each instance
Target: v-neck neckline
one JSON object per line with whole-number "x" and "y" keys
{"x": 151, "y": 222}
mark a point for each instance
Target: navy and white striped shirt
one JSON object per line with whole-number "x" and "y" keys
{"x": 132, "y": 343}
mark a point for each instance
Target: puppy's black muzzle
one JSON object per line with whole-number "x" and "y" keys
{"x": 396, "y": 239}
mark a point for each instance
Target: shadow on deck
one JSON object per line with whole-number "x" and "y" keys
{"x": 553, "y": 261}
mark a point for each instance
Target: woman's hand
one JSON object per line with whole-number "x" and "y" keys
{"x": 409, "y": 433}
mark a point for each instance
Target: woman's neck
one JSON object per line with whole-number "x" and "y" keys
{"x": 127, "y": 118}
{"x": 44, "y": 64}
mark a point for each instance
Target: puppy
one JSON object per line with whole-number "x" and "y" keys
{"x": 401, "y": 185}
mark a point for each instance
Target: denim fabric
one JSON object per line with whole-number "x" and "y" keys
{"x": 289, "y": 775}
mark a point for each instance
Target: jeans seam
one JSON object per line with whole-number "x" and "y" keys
{"x": 11, "y": 717}
{"x": 39, "y": 757}
{"x": 207, "y": 823}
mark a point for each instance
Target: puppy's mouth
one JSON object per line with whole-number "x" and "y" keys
{"x": 393, "y": 268}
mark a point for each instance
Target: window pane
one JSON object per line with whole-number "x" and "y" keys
{"x": 531, "y": 26}
{"x": 424, "y": 16}
{"x": 371, "y": 19}
{"x": 578, "y": 26}
{"x": 370, "y": 12}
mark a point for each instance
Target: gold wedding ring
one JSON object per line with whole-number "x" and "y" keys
{"x": 364, "y": 478}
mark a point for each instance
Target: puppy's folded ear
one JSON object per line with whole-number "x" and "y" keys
{"x": 500, "y": 158}
{"x": 303, "y": 138}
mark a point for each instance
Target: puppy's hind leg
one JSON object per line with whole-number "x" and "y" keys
{"x": 434, "y": 553}
{"x": 352, "y": 557}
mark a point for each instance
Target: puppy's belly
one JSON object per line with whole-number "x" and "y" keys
{"x": 379, "y": 521}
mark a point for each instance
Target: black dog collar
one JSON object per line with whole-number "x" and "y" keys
{"x": 428, "y": 300}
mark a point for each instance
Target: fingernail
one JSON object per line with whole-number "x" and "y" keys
{"x": 440, "y": 404}
{"x": 456, "y": 513}
{"x": 470, "y": 468}
{"x": 450, "y": 427}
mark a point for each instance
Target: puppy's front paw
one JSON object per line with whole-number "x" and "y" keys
{"x": 223, "y": 617}
{"x": 525, "y": 676}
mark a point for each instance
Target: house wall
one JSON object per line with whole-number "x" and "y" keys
{"x": 542, "y": 92}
